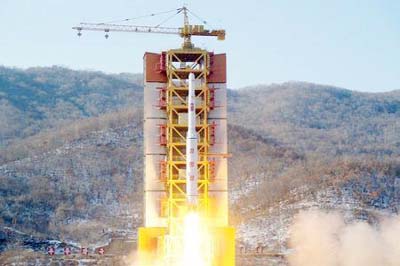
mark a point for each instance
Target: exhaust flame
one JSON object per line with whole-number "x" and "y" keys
{"x": 195, "y": 242}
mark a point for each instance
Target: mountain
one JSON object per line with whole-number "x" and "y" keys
{"x": 323, "y": 119}
{"x": 38, "y": 98}
{"x": 308, "y": 116}
{"x": 73, "y": 171}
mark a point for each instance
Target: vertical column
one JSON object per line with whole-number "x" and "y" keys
{"x": 154, "y": 150}
{"x": 217, "y": 120}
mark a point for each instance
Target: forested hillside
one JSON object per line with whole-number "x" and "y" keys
{"x": 309, "y": 116}
{"x": 39, "y": 98}
{"x": 321, "y": 119}
{"x": 71, "y": 155}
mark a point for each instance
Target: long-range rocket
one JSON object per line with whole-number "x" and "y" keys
{"x": 191, "y": 147}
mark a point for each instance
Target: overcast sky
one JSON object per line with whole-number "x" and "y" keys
{"x": 350, "y": 44}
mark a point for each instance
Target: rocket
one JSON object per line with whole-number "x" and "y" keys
{"x": 192, "y": 156}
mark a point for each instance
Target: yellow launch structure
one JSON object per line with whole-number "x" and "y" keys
{"x": 175, "y": 234}
{"x": 165, "y": 129}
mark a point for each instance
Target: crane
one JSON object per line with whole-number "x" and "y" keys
{"x": 186, "y": 31}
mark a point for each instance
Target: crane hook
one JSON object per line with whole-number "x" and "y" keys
{"x": 79, "y": 32}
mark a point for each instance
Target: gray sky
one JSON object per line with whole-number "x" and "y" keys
{"x": 351, "y": 44}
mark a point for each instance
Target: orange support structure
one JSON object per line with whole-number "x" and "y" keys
{"x": 212, "y": 133}
{"x": 212, "y": 98}
{"x": 163, "y": 135}
{"x": 163, "y": 171}
{"x": 162, "y": 98}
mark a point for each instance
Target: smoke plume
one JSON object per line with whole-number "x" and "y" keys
{"x": 324, "y": 239}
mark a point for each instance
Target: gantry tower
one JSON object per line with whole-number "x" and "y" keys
{"x": 165, "y": 126}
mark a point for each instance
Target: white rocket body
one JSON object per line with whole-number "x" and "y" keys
{"x": 192, "y": 156}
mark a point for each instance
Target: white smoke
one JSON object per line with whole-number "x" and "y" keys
{"x": 324, "y": 239}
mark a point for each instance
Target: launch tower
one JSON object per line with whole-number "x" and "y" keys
{"x": 185, "y": 151}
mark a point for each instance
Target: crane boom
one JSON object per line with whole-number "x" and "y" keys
{"x": 186, "y": 32}
{"x": 125, "y": 28}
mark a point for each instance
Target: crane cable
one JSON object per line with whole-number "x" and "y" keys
{"x": 175, "y": 10}
{"x": 198, "y": 17}
{"x": 179, "y": 10}
{"x": 205, "y": 22}
{"x": 169, "y": 18}
{"x": 145, "y": 16}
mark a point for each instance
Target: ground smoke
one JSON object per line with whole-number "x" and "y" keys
{"x": 323, "y": 239}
